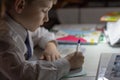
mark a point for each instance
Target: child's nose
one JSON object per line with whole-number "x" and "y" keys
{"x": 46, "y": 18}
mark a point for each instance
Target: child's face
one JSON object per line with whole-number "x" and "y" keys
{"x": 36, "y": 14}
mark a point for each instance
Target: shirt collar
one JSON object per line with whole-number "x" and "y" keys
{"x": 19, "y": 29}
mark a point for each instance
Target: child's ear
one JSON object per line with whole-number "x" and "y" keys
{"x": 19, "y": 5}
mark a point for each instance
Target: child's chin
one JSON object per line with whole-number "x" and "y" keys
{"x": 33, "y": 29}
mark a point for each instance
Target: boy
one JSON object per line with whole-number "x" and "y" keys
{"x": 20, "y": 32}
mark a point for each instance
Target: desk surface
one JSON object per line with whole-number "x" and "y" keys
{"x": 92, "y": 56}
{"x": 92, "y": 53}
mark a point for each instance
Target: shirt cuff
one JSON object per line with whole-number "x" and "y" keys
{"x": 63, "y": 67}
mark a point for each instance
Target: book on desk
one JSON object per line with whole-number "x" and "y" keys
{"x": 72, "y": 36}
{"x": 110, "y": 17}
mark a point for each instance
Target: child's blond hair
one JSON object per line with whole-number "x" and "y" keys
{"x": 6, "y": 5}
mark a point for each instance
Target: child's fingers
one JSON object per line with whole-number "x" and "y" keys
{"x": 41, "y": 57}
{"x": 48, "y": 58}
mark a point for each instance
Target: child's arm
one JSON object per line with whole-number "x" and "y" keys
{"x": 46, "y": 40}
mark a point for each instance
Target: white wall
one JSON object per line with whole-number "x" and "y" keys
{"x": 67, "y": 16}
{"x": 83, "y": 15}
{"x": 92, "y": 15}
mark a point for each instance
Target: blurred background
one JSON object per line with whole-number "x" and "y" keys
{"x": 80, "y": 11}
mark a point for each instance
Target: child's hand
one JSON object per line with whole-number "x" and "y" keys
{"x": 76, "y": 60}
{"x": 51, "y": 53}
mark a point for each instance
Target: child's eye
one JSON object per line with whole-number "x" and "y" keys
{"x": 45, "y": 11}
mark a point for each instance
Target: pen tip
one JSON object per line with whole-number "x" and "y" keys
{"x": 79, "y": 41}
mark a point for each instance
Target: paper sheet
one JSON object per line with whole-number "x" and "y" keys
{"x": 75, "y": 73}
{"x": 67, "y": 50}
{"x": 113, "y": 31}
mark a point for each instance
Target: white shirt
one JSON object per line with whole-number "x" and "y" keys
{"x": 13, "y": 65}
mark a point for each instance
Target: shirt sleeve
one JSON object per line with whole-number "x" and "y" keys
{"x": 42, "y": 36}
{"x": 14, "y": 66}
